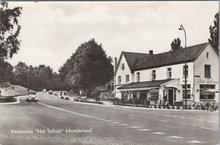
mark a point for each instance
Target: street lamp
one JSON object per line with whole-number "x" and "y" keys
{"x": 182, "y": 28}
{"x": 28, "y": 85}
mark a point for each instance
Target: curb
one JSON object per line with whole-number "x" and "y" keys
{"x": 142, "y": 108}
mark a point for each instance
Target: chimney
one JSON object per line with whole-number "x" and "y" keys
{"x": 151, "y": 52}
{"x": 116, "y": 63}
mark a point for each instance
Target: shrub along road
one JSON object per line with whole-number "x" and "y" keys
{"x": 57, "y": 121}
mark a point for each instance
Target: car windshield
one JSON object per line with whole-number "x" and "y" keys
{"x": 33, "y": 93}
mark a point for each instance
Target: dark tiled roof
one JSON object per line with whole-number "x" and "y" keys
{"x": 139, "y": 61}
{"x": 146, "y": 84}
{"x": 131, "y": 57}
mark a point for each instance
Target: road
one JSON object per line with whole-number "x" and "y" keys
{"x": 54, "y": 121}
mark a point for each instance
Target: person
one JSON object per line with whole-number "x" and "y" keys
{"x": 211, "y": 107}
{"x": 164, "y": 101}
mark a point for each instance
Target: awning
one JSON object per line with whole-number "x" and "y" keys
{"x": 212, "y": 91}
{"x": 147, "y": 85}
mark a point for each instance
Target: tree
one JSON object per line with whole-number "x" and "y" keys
{"x": 21, "y": 74}
{"x": 214, "y": 33}
{"x": 9, "y": 30}
{"x": 6, "y": 72}
{"x": 176, "y": 44}
{"x": 64, "y": 73}
{"x": 90, "y": 67}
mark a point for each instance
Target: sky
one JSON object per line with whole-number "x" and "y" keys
{"x": 52, "y": 31}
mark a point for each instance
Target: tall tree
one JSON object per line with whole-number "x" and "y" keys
{"x": 21, "y": 74}
{"x": 6, "y": 72}
{"x": 214, "y": 33}
{"x": 176, "y": 44}
{"x": 9, "y": 30}
{"x": 91, "y": 67}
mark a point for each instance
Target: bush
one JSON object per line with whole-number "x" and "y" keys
{"x": 7, "y": 99}
{"x": 113, "y": 99}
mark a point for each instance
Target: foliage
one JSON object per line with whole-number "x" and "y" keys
{"x": 88, "y": 67}
{"x": 9, "y": 30}
{"x": 37, "y": 78}
{"x": 214, "y": 33}
{"x": 6, "y": 73}
{"x": 176, "y": 44}
{"x": 20, "y": 73}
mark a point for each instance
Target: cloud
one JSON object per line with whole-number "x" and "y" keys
{"x": 52, "y": 31}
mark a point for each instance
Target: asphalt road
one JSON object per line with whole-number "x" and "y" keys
{"x": 54, "y": 121}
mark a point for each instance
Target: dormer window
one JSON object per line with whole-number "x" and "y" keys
{"x": 122, "y": 66}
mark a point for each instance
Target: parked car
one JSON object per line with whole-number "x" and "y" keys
{"x": 32, "y": 97}
{"x": 50, "y": 92}
{"x": 63, "y": 95}
{"x": 80, "y": 98}
{"x": 44, "y": 90}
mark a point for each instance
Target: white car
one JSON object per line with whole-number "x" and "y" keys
{"x": 50, "y": 92}
{"x": 32, "y": 97}
{"x": 44, "y": 90}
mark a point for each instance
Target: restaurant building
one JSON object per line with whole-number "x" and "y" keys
{"x": 162, "y": 76}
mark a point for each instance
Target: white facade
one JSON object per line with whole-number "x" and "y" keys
{"x": 195, "y": 77}
{"x": 122, "y": 72}
{"x": 207, "y": 57}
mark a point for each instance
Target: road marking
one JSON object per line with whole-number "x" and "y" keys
{"x": 133, "y": 127}
{"x": 163, "y": 120}
{"x": 209, "y": 128}
{"x": 194, "y": 141}
{"x": 174, "y": 137}
{"x": 101, "y": 119}
{"x": 211, "y": 121}
{"x": 144, "y": 129}
{"x": 124, "y": 124}
{"x": 158, "y": 133}
{"x": 173, "y": 116}
{"x": 79, "y": 114}
{"x": 200, "y": 119}
{"x": 108, "y": 120}
{"x": 191, "y": 118}
{"x": 64, "y": 110}
{"x": 182, "y": 117}
{"x": 115, "y": 122}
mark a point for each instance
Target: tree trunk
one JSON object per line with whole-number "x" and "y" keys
{"x": 89, "y": 92}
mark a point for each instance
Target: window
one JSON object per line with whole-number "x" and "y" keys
{"x": 153, "y": 77}
{"x": 207, "y": 71}
{"x": 203, "y": 91}
{"x": 185, "y": 71}
{"x": 154, "y": 95}
{"x": 169, "y": 73}
{"x": 187, "y": 90}
{"x": 138, "y": 76}
{"x": 127, "y": 78}
{"x": 119, "y": 79}
{"x": 207, "y": 54}
{"x": 122, "y": 66}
